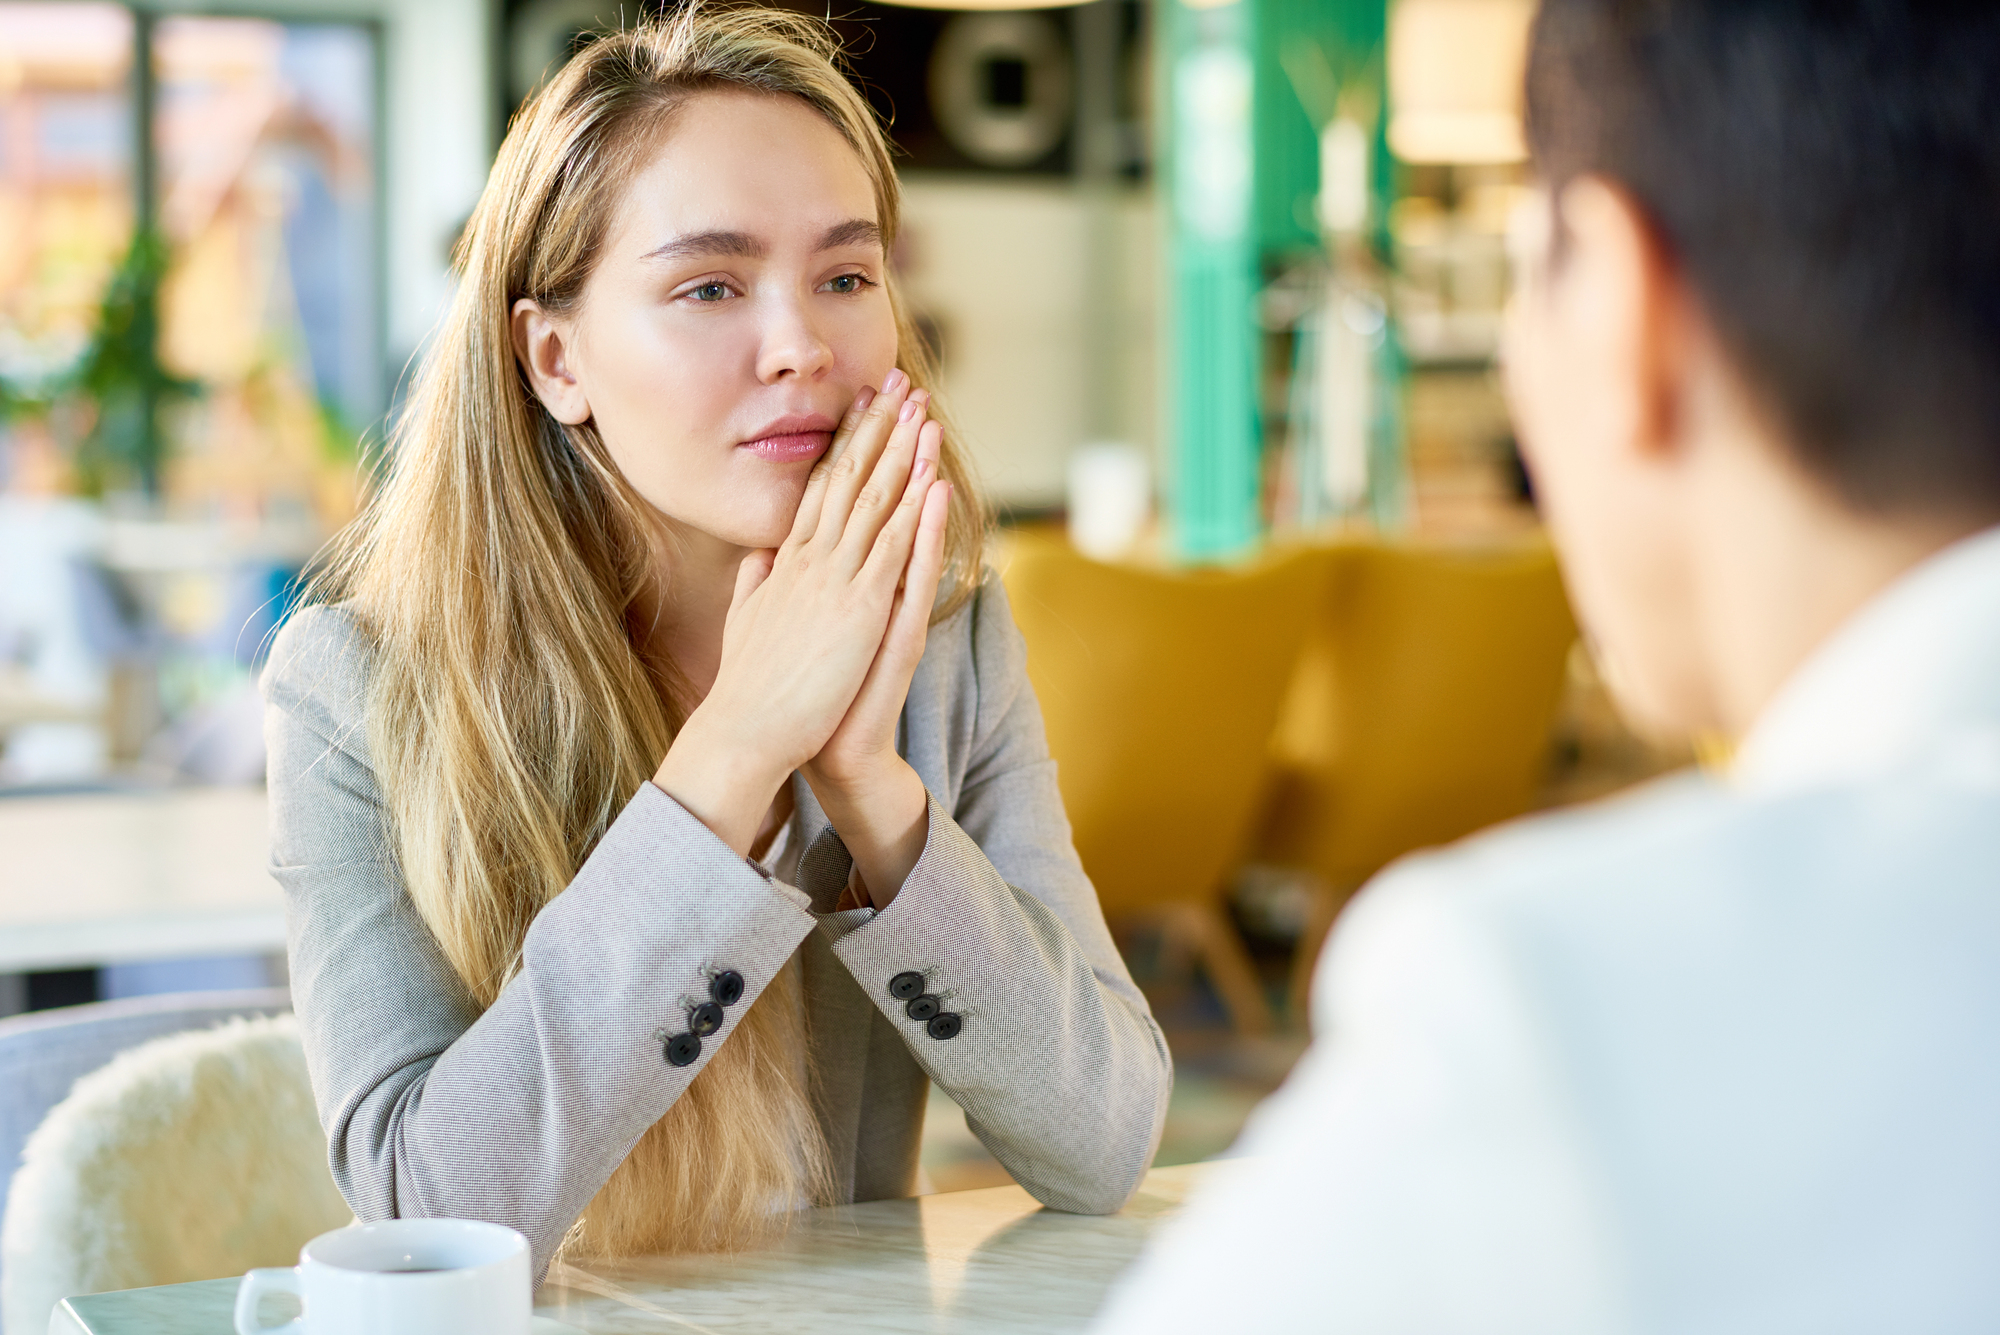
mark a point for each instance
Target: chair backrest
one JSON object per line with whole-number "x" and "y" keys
{"x": 195, "y": 1156}
{"x": 1159, "y": 691}
{"x": 43, "y": 1054}
{"x": 1423, "y": 704}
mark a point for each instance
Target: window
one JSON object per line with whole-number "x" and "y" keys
{"x": 266, "y": 153}
{"x": 135, "y": 600}
{"x": 264, "y": 179}
{"x": 66, "y": 177}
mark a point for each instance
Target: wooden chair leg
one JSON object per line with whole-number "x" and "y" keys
{"x": 1227, "y": 964}
{"x": 1326, "y": 905}
{"x": 1174, "y": 959}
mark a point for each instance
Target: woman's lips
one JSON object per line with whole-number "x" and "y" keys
{"x": 791, "y": 446}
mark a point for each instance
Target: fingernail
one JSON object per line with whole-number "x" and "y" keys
{"x": 911, "y": 407}
{"x": 923, "y": 467}
{"x": 864, "y": 398}
{"x": 895, "y": 381}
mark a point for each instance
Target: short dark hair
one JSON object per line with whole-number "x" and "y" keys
{"x": 1826, "y": 173}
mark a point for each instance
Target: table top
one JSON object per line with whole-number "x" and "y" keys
{"x": 107, "y": 878}
{"x": 989, "y": 1262}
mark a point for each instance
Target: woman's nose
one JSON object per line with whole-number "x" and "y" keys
{"x": 790, "y": 345}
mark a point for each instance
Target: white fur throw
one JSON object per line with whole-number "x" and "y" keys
{"x": 195, "y": 1156}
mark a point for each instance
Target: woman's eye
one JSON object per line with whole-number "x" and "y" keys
{"x": 710, "y": 292}
{"x": 848, "y": 282}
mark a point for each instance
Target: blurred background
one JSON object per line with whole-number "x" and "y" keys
{"x": 1216, "y": 289}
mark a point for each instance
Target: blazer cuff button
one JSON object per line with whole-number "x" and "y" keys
{"x": 704, "y": 1019}
{"x": 907, "y": 986}
{"x": 923, "y": 1008}
{"x": 726, "y": 988}
{"x": 943, "y": 1025}
{"x": 682, "y": 1049}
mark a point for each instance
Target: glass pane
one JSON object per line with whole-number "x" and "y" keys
{"x": 138, "y": 591}
{"x": 65, "y": 178}
{"x": 266, "y": 135}
{"x": 66, "y": 215}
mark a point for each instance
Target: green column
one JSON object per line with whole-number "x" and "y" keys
{"x": 1211, "y": 271}
{"x": 1240, "y": 169}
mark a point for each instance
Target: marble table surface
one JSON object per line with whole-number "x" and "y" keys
{"x": 108, "y": 878}
{"x": 988, "y": 1262}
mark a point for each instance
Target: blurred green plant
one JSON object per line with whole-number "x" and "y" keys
{"x": 340, "y": 442}
{"x": 122, "y": 379}
{"x": 23, "y": 397}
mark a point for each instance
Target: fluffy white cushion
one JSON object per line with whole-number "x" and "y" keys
{"x": 195, "y": 1156}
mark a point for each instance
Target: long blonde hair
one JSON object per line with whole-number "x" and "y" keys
{"x": 499, "y": 564}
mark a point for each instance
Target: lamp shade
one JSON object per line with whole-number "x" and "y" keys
{"x": 984, "y": 4}
{"x": 1455, "y": 79}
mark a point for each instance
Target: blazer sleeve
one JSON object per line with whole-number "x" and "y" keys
{"x": 517, "y": 1115}
{"x": 1055, "y": 1058}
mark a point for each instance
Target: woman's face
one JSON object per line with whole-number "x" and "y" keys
{"x": 735, "y": 310}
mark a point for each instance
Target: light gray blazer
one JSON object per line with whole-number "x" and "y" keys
{"x": 520, "y": 1114}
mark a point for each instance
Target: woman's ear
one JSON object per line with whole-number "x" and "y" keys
{"x": 546, "y": 348}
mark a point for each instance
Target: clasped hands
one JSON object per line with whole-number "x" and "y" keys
{"x": 822, "y": 637}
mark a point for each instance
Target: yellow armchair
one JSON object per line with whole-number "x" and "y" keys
{"x": 1421, "y": 711}
{"x": 1160, "y": 691}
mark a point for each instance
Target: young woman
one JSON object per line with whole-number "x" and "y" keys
{"x": 657, "y": 790}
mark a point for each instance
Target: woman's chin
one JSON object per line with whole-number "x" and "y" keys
{"x": 774, "y": 511}
{"x": 762, "y": 526}
{"x": 761, "y": 518}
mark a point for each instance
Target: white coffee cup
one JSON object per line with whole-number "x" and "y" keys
{"x": 401, "y": 1277}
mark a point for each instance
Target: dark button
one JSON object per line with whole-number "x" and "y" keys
{"x": 704, "y": 1019}
{"x": 906, "y": 986}
{"x": 943, "y": 1025}
{"x": 923, "y": 1008}
{"x": 726, "y": 988}
{"x": 682, "y": 1049}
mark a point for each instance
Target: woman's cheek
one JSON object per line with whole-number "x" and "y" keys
{"x": 867, "y": 350}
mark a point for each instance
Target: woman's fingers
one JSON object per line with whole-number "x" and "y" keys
{"x": 888, "y": 682}
{"x": 920, "y": 582}
{"x": 849, "y": 424}
{"x": 879, "y": 501}
{"x": 852, "y": 470}
{"x": 927, "y": 561}
{"x": 889, "y": 554}
{"x": 923, "y": 469}
{"x": 807, "y": 519}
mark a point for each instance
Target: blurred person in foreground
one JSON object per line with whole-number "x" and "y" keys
{"x": 1722, "y": 1054}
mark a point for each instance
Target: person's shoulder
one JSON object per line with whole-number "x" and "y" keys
{"x": 975, "y": 639}
{"x": 1583, "y": 871}
{"x": 1689, "y": 875}
{"x": 320, "y": 657}
{"x": 973, "y": 617}
{"x": 1539, "y": 862}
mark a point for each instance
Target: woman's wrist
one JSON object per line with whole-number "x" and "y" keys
{"x": 882, "y": 815}
{"x": 722, "y": 783}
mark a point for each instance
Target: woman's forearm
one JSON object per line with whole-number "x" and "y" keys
{"x": 720, "y": 780}
{"x": 883, "y": 818}
{"x": 1071, "y": 1100}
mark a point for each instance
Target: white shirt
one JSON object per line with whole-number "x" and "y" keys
{"x": 1719, "y": 1056}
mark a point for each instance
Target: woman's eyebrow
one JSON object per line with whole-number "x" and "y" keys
{"x": 853, "y": 232}
{"x": 708, "y": 243}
